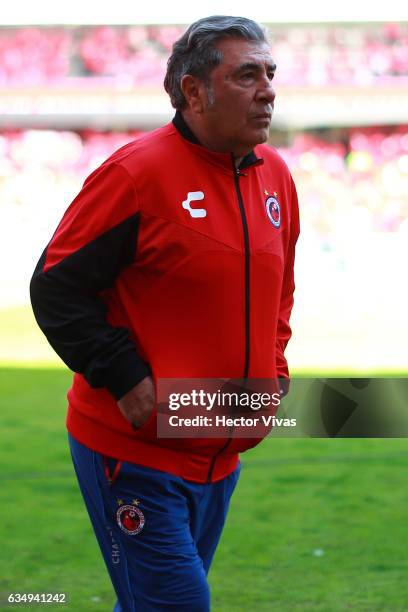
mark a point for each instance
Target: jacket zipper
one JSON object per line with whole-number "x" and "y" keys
{"x": 237, "y": 174}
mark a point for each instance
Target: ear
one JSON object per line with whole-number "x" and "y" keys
{"x": 194, "y": 92}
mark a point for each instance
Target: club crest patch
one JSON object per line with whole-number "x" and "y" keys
{"x": 130, "y": 519}
{"x": 273, "y": 210}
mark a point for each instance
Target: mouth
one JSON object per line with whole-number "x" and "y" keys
{"x": 263, "y": 117}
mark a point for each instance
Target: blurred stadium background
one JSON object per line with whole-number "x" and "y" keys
{"x": 71, "y": 94}
{"x": 315, "y": 525}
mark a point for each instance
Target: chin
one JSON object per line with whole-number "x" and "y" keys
{"x": 252, "y": 139}
{"x": 259, "y": 137}
{"x": 265, "y": 135}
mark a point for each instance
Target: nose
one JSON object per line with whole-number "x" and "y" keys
{"x": 266, "y": 92}
{"x": 269, "y": 92}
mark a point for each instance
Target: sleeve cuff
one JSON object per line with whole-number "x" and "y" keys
{"x": 125, "y": 372}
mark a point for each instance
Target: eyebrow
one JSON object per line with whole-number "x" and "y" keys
{"x": 254, "y": 66}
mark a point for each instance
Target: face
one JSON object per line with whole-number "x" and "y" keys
{"x": 238, "y": 110}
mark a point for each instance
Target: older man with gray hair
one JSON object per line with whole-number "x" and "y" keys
{"x": 174, "y": 261}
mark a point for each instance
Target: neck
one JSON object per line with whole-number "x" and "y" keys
{"x": 201, "y": 134}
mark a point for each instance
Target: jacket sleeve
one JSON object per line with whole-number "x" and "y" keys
{"x": 95, "y": 240}
{"x": 288, "y": 286}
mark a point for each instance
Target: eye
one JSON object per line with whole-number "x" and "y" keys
{"x": 247, "y": 76}
{"x": 271, "y": 75}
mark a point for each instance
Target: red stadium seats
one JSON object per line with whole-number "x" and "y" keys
{"x": 306, "y": 55}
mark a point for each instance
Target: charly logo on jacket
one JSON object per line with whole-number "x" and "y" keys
{"x": 129, "y": 517}
{"x": 273, "y": 209}
{"x": 194, "y": 196}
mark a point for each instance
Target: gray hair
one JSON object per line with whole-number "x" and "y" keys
{"x": 196, "y": 53}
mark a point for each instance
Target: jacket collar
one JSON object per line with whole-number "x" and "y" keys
{"x": 183, "y": 128}
{"x": 180, "y": 124}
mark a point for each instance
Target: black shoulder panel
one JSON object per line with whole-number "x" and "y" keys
{"x": 71, "y": 314}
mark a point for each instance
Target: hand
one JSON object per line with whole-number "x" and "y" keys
{"x": 138, "y": 403}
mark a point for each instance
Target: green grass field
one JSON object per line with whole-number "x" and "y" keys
{"x": 309, "y": 351}
{"x": 315, "y": 525}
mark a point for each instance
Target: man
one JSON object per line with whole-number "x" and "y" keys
{"x": 174, "y": 261}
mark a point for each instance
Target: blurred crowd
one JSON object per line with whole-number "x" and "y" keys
{"x": 313, "y": 54}
{"x": 351, "y": 182}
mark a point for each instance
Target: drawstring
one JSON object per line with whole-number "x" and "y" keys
{"x": 111, "y": 477}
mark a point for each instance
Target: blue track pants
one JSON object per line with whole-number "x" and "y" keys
{"x": 157, "y": 532}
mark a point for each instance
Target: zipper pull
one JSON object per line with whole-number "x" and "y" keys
{"x": 239, "y": 173}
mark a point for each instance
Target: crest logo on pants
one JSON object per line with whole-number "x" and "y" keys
{"x": 130, "y": 519}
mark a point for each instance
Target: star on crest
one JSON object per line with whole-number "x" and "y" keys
{"x": 266, "y": 193}
{"x": 135, "y": 502}
{"x": 275, "y": 193}
{"x": 120, "y": 502}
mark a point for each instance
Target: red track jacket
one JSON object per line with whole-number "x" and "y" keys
{"x": 170, "y": 261}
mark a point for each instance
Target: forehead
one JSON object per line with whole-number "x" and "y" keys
{"x": 237, "y": 52}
